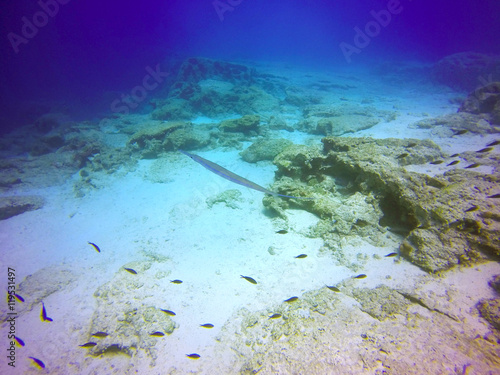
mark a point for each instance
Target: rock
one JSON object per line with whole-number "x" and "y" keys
{"x": 338, "y": 120}
{"x": 50, "y": 121}
{"x": 264, "y": 149}
{"x": 437, "y": 235}
{"x": 173, "y": 109}
{"x": 16, "y": 205}
{"x": 245, "y": 124}
{"x": 495, "y": 283}
{"x": 37, "y": 287}
{"x": 128, "y": 321}
{"x": 229, "y": 197}
{"x": 484, "y": 100}
{"x": 490, "y": 310}
{"x": 214, "y": 88}
{"x": 381, "y": 302}
{"x": 196, "y": 69}
{"x": 467, "y": 70}
{"x": 451, "y": 123}
{"x": 158, "y": 131}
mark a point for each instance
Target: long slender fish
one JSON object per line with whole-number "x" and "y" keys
{"x": 228, "y": 175}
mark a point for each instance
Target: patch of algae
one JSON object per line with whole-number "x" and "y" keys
{"x": 361, "y": 188}
{"x": 127, "y": 321}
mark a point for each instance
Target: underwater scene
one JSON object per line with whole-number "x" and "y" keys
{"x": 250, "y": 187}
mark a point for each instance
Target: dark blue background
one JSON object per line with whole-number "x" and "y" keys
{"x": 92, "y": 47}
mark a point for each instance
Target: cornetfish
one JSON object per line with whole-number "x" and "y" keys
{"x": 228, "y": 175}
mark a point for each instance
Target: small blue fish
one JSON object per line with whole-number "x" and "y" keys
{"x": 19, "y": 341}
{"x": 43, "y": 315}
{"x": 95, "y": 247}
{"x": 37, "y": 362}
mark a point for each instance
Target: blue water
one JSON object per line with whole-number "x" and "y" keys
{"x": 84, "y": 51}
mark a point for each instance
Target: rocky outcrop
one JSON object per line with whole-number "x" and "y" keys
{"x": 444, "y": 220}
{"x": 264, "y": 149}
{"x": 485, "y": 100}
{"x": 245, "y": 124}
{"x": 214, "y": 88}
{"x": 16, "y": 205}
{"x": 467, "y": 70}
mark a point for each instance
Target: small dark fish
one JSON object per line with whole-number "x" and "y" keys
{"x": 435, "y": 162}
{"x": 282, "y": 231}
{"x": 100, "y": 334}
{"x": 475, "y": 165}
{"x": 487, "y": 149}
{"x": 18, "y": 297}
{"x": 403, "y": 155}
{"x": 453, "y": 163}
{"x": 460, "y": 132}
{"x": 291, "y": 299}
{"x": 334, "y": 288}
{"x": 133, "y": 272}
{"x": 19, "y": 341}
{"x": 411, "y": 144}
{"x": 43, "y": 315}
{"x": 494, "y": 143}
{"x": 494, "y": 196}
{"x": 454, "y": 155}
{"x": 95, "y": 246}
{"x": 37, "y": 362}
{"x": 193, "y": 356}
{"x": 176, "y": 281}
{"x": 157, "y": 334}
{"x": 275, "y": 316}
{"x": 360, "y": 276}
{"x": 249, "y": 279}
{"x": 472, "y": 209}
{"x": 207, "y": 325}
{"x": 301, "y": 256}
{"x": 88, "y": 345}
{"x": 390, "y": 255}
{"x": 168, "y": 312}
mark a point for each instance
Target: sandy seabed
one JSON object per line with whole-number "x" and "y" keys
{"x": 166, "y": 230}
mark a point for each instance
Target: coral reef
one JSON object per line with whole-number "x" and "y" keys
{"x": 431, "y": 213}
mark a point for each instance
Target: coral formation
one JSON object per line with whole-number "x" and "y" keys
{"x": 246, "y": 124}
{"x": 431, "y": 213}
{"x": 264, "y": 149}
